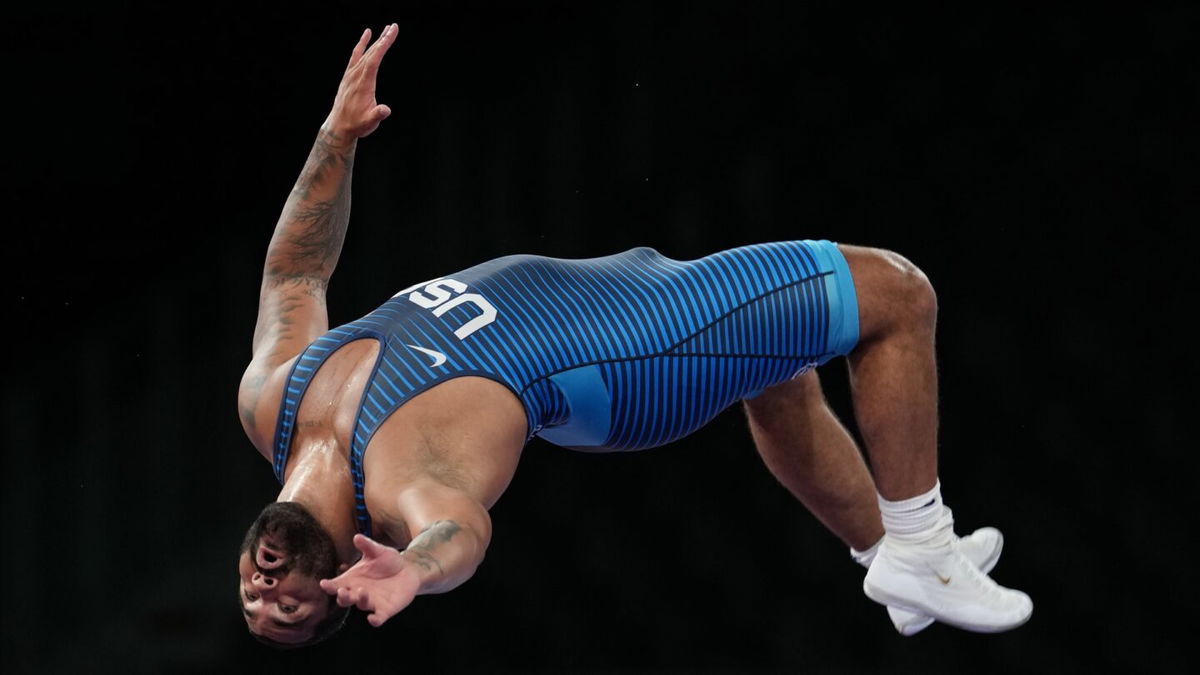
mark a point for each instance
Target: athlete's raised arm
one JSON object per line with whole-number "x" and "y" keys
{"x": 308, "y": 237}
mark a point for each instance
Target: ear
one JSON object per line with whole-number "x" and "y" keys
{"x": 341, "y": 569}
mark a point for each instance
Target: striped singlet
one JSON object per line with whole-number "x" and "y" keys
{"x": 623, "y": 352}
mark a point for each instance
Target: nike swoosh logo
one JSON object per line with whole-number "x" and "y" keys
{"x": 438, "y": 357}
{"x": 945, "y": 580}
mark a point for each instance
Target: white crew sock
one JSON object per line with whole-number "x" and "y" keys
{"x": 864, "y": 558}
{"x": 918, "y": 521}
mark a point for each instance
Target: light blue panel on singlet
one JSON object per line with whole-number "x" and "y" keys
{"x": 622, "y": 352}
{"x": 589, "y": 409}
{"x": 843, "y": 300}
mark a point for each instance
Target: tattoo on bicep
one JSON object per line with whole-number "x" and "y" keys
{"x": 276, "y": 321}
{"x": 430, "y": 538}
{"x": 313, "y": 287}
{"x": 277, "y": 318}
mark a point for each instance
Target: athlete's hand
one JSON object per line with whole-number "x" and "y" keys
{"x": 381, "y": 582}
{"x": 355, "y": 110}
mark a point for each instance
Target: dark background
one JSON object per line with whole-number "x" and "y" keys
{"x": 1039, "y": 164}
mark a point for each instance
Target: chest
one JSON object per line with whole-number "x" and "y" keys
{"x": 325, "y": 418}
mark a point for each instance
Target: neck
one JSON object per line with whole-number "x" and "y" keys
{"x": 320, "y": 482}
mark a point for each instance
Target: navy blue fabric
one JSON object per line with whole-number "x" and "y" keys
{"x": 664, "y": 344}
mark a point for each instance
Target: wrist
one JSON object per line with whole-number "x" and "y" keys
{"x": 336, "y": 134}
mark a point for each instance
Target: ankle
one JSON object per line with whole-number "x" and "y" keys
{"x": 866, "y": 556}
{"x": 921, "y": 522}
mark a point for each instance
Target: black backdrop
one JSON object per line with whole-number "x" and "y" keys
{"x": 1037, "y": 163}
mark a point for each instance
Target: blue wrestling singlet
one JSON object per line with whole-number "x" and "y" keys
{"x": 624, "y": 352}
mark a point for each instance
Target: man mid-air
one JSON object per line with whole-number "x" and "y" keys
{"x": 393, "y": 435}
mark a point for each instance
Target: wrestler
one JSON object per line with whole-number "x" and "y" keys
{"x": 394, "y": 434}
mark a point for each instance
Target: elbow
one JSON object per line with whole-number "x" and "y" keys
{"x": 473, "y": 532}
{"x": 449, "y": 551}
{"x": 482, "y": 536}
{"x": 481, "y": 528}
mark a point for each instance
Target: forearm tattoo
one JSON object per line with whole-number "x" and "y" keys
{"x": 309, "y": 237}
{"x": 420, "y": 551}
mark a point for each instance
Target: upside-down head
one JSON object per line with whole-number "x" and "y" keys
{"x": 283, "y": 556}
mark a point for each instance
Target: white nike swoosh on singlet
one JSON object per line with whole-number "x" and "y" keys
{"x": 438, "y": 357}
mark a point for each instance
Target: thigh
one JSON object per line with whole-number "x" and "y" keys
{"x": 785, "y": 399}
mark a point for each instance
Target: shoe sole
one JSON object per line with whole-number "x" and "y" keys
{"x": 883, "y": 597}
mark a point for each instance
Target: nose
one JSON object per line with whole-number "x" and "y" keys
{"x": 262, "y": 581}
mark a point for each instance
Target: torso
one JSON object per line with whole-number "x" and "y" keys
{"x": 468, "y": 430}
{"x": 622, "y": 352}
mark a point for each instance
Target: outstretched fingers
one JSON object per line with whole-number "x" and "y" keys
{"x": 361, "y": 598}
{"x": 376, "y": 51}
{"x": 366, "y": 545}
{"x": 375, "y": 584}
{"x": 375, "y": 54}
{"x": 354, "y": 597}
{"x": 359, "y": 48}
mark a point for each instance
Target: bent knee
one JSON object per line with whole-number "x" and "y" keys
{"x": 890, "y": 288}
{"x": 910, "y": 285}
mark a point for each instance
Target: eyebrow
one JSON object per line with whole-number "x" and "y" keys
{"x": 278, "y": 622}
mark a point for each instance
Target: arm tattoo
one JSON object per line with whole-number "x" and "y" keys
{"x": 311, "y": 230}
{"x": 423, "y": 559}
{"x": 324, "y": 155}
{"x": 254, "y": 386}
{"x": 431, "y": 537}
{"x": 276, "y": 320}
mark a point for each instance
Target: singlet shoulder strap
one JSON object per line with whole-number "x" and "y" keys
{"x": 296, "y": 385}
{"x": 364, "y": 428}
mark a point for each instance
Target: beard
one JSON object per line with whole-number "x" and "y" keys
{"x": 305, "y": 543}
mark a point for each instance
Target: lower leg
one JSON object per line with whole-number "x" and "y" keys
{"x": 893, "y": 374}
{"x": 814, "y": 457}
{"x": 894, "y": 384}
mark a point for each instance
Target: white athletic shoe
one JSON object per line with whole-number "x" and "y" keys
{"x": 982, "y": 547}
{"x": 943, "y": 583}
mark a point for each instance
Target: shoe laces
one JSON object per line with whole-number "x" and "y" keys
{"x": 978, "y": 577}
{"x": 990, "y": 588}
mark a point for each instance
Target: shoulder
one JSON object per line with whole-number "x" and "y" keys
{"x": 259, "y": 395}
